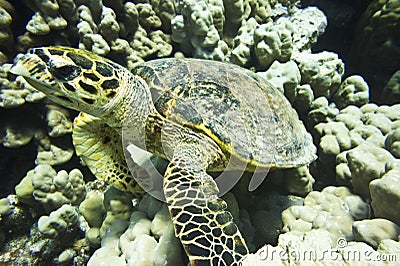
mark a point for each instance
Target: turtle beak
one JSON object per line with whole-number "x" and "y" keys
{"x": 35, "y": 72}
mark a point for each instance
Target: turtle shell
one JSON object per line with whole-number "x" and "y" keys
{"x": 240, "y": 111}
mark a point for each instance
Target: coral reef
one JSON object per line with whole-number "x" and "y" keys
{"x": 385, "y": 194}
{"x": 376, "y": 42}
{"x": 323, "y": 71}
{"x": 374, "y": 231}
{"x": 7, "y": 12}
{"x": 359, "y": 142}
{"x": 50, "y": 136}
{"x": 52, "y": 189}
{"x": 334, "y": 209}
{"x": 61, "y": 217}
{"x": 16, "y": 92}
{"x": 352, "y": 91}
{"x": 391, "y": 92}
{"x": 147, "y": 238}
{"x": 273, "y": 41}
{"x": 58, "y": 221}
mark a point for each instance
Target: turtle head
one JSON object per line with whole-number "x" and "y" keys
{"x": 73, "y": 78}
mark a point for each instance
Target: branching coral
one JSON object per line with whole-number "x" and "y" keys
{"x": 50, "y": 188}
{"x": 274, "y": 41}
{"x": 110, "y": 29}
{"x": 321, "y": 110}
{"x": 58, "y": 221}
{"x": 323, "y": 71}
{"x": 243, "y": 43}
{"x": 21, "y": 130}
{"x": 198, "y": 28}
{"x": 16, "y": 92}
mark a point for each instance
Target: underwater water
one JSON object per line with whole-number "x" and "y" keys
{"x": 336, "y": 62}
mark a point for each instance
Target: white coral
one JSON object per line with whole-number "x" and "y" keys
{"x": 353, "y": 91}
{"x": 147, "y": 239}
{"x": 385, "y": 194}
{"x": 334, "y": 209}
{"x": 274, "y": 41}
{"x": 323, "y": 71}
{"x": 58, "y": 221}
{"x": 54, "y": 189}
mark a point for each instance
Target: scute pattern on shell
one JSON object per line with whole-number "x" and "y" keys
{"x": 241, "y": 111}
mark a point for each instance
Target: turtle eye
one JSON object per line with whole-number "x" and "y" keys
{"x": 65, "y": 73}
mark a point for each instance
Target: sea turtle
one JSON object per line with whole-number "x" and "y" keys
{"x": 201, "y": 115}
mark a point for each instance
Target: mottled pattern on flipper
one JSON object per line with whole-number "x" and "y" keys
{"x": 99, "y": 147}
{"x": 205, "y": 227}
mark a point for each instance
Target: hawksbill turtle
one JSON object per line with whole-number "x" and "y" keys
{"x": 200, "y": 115}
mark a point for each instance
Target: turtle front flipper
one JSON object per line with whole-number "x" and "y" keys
{"x": 204, "y": 226}
{"x": 99, "y": 147}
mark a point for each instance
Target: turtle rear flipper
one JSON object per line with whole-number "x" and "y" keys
{"x": 205, "y": 228}
{"x": 99, "y": 147}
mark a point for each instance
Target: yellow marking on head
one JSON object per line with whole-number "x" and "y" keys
{"x": 74, "y": 78}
